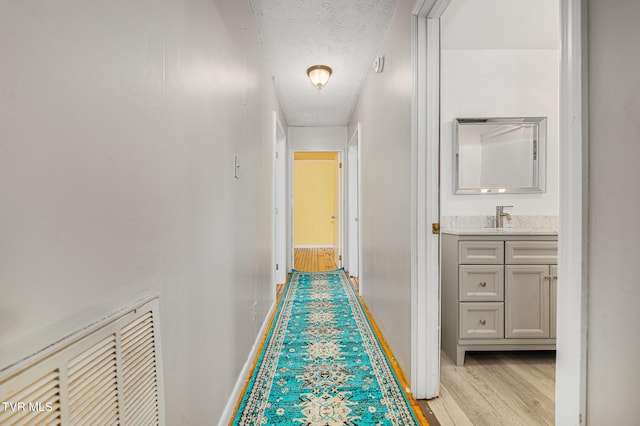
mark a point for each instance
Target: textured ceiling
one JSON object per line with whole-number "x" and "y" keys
{"x": 343, "y": 34}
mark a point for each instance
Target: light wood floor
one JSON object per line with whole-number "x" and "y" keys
{"x": 314, "y": 259}
{"x": 496, "y": 388}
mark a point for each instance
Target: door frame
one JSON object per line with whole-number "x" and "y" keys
{"x": 279, "y": 263}
{"x": 340, "y": 206}
{"x": 425, "y": 202}
{"x": 340, "y": 203}
{"x": 571, "y": 384}
{"x": 354, "y": 230}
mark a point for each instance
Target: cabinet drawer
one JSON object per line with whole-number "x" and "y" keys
{"x": 481, "y": 252}
{"x": 532, "y": 252}
{"x": 482, "y": 283}
{"x": 481, "y": 320}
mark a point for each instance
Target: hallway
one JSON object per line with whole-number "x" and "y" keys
{"x": 137, "y": 162}
{"x": 330, "y": 362}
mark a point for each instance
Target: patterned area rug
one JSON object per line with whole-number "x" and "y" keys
{"x": 322, "y": 363}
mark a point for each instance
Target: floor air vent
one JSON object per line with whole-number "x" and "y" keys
{"x": 107, "y": 375}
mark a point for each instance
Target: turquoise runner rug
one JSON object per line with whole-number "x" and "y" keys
{"x": 321, "y": 363}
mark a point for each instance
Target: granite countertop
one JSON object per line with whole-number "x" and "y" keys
{"x": 499, "y": 231}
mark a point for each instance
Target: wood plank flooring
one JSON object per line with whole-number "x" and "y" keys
{"x": 496, "y": 388}
{"x": 314, "y": 259}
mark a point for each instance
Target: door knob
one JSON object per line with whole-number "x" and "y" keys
{"x": 333, "y": 217}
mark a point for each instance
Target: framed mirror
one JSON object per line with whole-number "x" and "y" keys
{"x": 499, "y": 155}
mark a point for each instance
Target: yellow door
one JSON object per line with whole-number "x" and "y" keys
{"x": 314, "y": 197}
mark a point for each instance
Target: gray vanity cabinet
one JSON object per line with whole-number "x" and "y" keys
{"x": 498, "y": 292}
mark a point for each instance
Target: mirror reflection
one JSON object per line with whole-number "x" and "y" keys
{"x": 499, "y": 155}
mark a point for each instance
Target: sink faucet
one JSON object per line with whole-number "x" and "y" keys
{"x": 500, "y": 214}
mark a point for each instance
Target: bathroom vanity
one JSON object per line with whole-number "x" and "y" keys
{"x": 498, "y": 289}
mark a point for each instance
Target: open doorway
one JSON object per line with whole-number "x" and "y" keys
{"x": 317, "y": 210}
{"x": 498, "y": 312}
{"x": 353, "y": 264}
{"x": 279, "y": 202}
{"x": 570, "y": 385}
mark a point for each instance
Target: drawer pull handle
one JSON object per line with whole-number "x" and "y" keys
{"x": 483, "y": 284}
{"x": 483, "y": 322}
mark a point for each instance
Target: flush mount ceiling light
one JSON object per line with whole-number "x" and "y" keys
{"x": 319, "y": 75}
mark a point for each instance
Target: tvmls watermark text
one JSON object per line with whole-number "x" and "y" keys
{"x": 22, "y": 406}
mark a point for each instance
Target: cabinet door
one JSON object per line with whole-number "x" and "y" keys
{"x": 527, "y": 301}
{"x": 553, "y": 305}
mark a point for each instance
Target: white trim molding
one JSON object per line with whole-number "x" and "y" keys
{"x": 279, "y": 203}
{"x": 230, "y": 407}
{"x": 571, "y": 360}
{"x": 425, "y": 175}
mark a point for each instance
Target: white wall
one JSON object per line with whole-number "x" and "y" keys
{"x": 499, "y": 83}
{"x": 613, "y": 374}
{"x": 318, "y": 138}
{"x": 384, "y": 111}
{"x": 119, "y": 121}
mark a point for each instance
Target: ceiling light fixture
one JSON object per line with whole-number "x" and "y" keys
{"x": 319, "y": 75}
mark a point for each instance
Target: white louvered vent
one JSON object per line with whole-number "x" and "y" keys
{"x": 93, "y": 385}
{"x": 108, "y": 374}
{"x": 37, "y": 402}
{"x": 139, "y": 372}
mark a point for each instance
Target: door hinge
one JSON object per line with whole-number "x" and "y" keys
{"x": 340, "y": 258}
{"x": 340, "y": 165}
{"x": 435, "y": 228}
{"x": 277, "y": 266}
{"x": 276, "y": 155}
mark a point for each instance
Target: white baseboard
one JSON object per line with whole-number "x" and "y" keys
{"x": 244, "y": 374}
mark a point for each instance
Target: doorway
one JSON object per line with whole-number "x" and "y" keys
{"x": 353, "y": 207}
{"x": 317, "y": 210}
{"x": 279, "y": 202}
{"x": 570, "y": 377}
{"x": 516, "y": 75}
